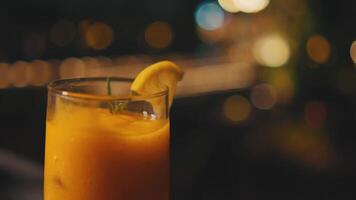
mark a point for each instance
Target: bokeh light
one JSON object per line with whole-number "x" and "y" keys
{"x": 34, "y": 44}
{"x": 318, "y": 49}
{"x": 72, "y": 67}
{"x": 251, "y": 6}
{"x": 237, "y": 108}
{"x": 306, "y": 146}
{"x": 159, "y": 35}
{"x": 353, "y": 51}
{"x": 92, "y": 66}
{"x": 229, "y": 6}
{"x": 4, "y": 69}
{"x": 263, "y": 96}
{"x": 91, "y": 62}
{"x": 104, "y": 61}
{"x": 272, "y": 51}
{"x": 40, "y": 73}
{"x": 240, "y": 52}
{"x": 315, "y": 114}
{"x": 209, "y": 16}
{"x": 62, "y": 33}
{"x": 20, "y": 73}
{"x": 98, "y": 35}
{"x": 282, "y": 81}
{"x": 212, "y": 37}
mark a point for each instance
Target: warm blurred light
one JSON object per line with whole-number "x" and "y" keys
{"x": 41, "y": 72}
{"x": 251, "y": 6}
{"x": 91, "y": 62}
{"x": 104, "y": 61}
{"x": 62, "y": 33}
{"x": 92, "y": 66}
{"x": 315, "y": 114}
{"x": 229, "y": 6}
{"x": 158, "y": 35}
{"x": 98, "y": 35}
{"x": 237, "y": 108}
{"x": 309, "y": 148}
{"x": 294, "y": 8}
{"x": 263, "y": 96}
{"x": 72, "y": 67}
{"x": 20, "y": 73}
{"x": 4, "y": 69}
{"x": 272, "y": 51}
{"x": 284, "y": 85}
{"x": 129, "y": 65}
{"x": 353, "y": 51}
{"x": 209, "y": 16}
{"x": 34, "y": 44}
{"x": 213, "y": 36}
{"x": 240, "y": 52}
{"x": 318, "y": 49}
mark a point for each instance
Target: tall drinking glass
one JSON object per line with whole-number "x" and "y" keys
{"x": 103, "y": 143}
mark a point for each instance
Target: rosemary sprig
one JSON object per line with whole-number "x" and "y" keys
{"x": 108, "y": 85}
{"x": 115, "y": 106}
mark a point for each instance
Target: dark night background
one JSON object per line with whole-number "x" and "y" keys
{"x": 295, "y": 140}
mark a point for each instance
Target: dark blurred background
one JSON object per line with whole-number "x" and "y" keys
{"x": 266, "y": 109}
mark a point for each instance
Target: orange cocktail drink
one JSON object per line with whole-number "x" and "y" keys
{"x": 109, "y": 140}
{"x": 94, "y": 154}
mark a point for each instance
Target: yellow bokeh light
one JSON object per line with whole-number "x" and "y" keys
{"x": 237, "y": 108}
{"x": 318, "y": 49}
{"x": 284, "y": 85}
{"x": 98, "y": 35}
{"x": 263, "y": 96}
{"x": 251, "y": 6}
{"x": 159, "y": 35}
{"x": 40, "y": 73}
{"x": 353, "y": 51}
{"x": 272, "y": 51}
{"x": 229, "y": 6}
{"x": 4, "y": 69}
{"x": 20, "y": 73}
{"x": 72, "y": 67}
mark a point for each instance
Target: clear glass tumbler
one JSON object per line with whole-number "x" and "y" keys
{"x": 103, "y": 143}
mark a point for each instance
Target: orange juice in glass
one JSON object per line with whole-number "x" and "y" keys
{"x": 106, "y": 147}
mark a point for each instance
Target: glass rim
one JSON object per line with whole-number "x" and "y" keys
{"x": 53, "y": 87}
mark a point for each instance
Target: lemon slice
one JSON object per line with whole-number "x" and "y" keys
{"x": 156, "y": 77}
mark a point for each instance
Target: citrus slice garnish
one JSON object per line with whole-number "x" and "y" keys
{"x": 156, "y": 78}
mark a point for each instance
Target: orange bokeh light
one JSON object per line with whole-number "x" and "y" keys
{"x": 20, "y": 73}
{"x": 40, "y": 73}
{"x": 159, "y": 35}
{"x": 98, "y": 35}
{"x": 318, "y": 49}
{"x": 237, "y": 108}
{"x": 4, "y": 69}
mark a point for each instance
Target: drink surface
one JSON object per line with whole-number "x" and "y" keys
{"x": 92, "y": 154}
